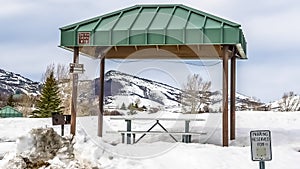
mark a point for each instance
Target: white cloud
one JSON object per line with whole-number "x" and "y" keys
{"x": 31, "y": 61}
{"x": 13, "y": 8}
{"x": 279, "y": 30}
{"x": 268, "y": 81}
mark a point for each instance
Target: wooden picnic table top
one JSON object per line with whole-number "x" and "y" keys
{"x": 157, "y": 118}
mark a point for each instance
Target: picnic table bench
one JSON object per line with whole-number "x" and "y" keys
{"x": 131, "y": 135}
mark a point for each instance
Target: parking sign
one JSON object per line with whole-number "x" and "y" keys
{"x": 261, "y": 145}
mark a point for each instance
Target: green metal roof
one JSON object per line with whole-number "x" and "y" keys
{"x": 9, "y": 111}
{"x": 142, "y": 25}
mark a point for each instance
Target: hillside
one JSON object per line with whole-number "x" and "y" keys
{"x": 118, "y": 84}
{"x": 289, "y": 102}
{"x": 122, "y": 88}
{"x": 12, "y": 83}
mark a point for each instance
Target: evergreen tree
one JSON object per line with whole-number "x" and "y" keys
{"x": 49, "y": 101}
{"x": 10, "y": 101}
{"x": 123, "y": 107}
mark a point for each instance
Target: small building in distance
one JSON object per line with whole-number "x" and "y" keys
{"x": 9, "y": 111}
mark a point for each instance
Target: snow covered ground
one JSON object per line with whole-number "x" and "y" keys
{"x": 161, "y": 151}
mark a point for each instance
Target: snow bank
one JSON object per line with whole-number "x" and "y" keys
{"x": 108, "y": 153}
{"x": 41, "y": 147}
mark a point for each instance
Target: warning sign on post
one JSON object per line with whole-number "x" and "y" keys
{"x": 261, "y": 145}
{"x": 84, "y": 38}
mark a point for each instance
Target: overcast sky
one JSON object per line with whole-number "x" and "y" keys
{"x": 29, "y": 37}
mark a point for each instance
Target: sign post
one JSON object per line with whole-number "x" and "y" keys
{"x": 60, "y": 119}
{"x": 261, "y": 146}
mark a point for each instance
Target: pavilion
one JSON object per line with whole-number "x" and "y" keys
{"x": 186, "y": 32}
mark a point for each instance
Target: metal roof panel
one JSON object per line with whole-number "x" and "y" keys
{"x": 162, "y": 24}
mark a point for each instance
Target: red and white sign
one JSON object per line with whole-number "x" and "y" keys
{"x": 84, "y": 38}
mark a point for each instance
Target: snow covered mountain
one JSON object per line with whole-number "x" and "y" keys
{"x": 244, "y": 102}
{"x": 121, "y": 87}
{"x": 11, "y": 83}
{"x": 124, "y": 88}
{"x": 289, "y": 102}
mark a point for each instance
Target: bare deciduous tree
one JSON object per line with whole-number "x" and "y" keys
{"x": 289, "y": 102}
{"x": 26, "y": 104}
{"x": 50, "y": 68}
{"x": 195, "y": 94}
{"x": 61, "y": 72}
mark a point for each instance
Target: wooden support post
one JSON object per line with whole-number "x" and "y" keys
{"x": 101, "y": 96}
{"x": 232, "y": 97}
{"x": 225, "y": 95}
{"x": 74, "y": 92}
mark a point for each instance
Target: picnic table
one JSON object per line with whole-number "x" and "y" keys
{"x": 130, "y": 134}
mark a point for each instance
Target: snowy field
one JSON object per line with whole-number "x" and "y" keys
{"x": 161, "y": 151}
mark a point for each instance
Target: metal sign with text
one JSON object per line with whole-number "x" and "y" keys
{"x": 261, "y": 145}
{"x": 76, "y": 68}
{"x": 84, "y": 38}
